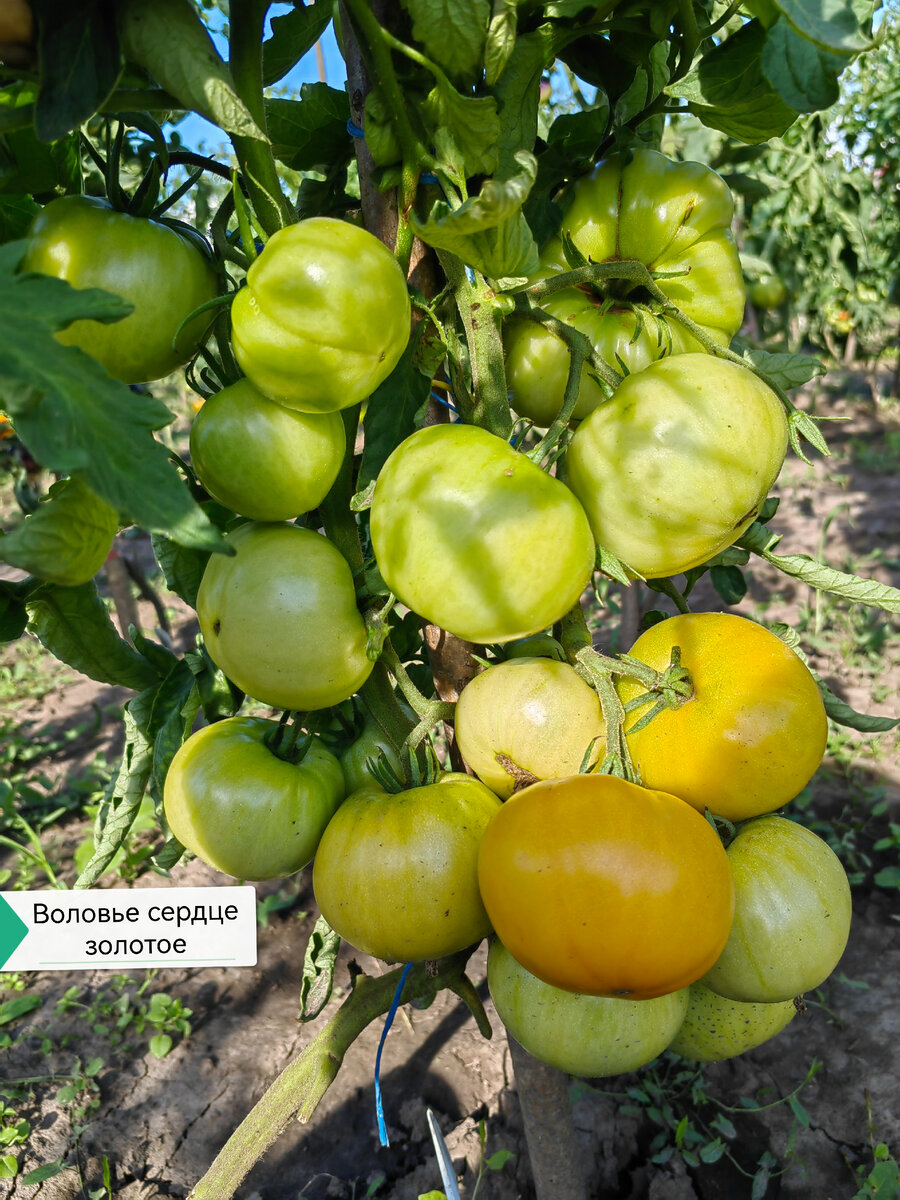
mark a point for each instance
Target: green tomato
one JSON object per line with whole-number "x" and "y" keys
{"x": 232, "y": 802}
{"x": 675, "y": 466}
{"x": 371, "y": 745}
{"x": 396, "y": 876}
{"x": 90, "y": 245}
{"x": 262, "y": 460}
{"x": 66, "y": 539}
{"x": 675, "y": 218}
{"x": 791, "y": 915}
{"x": 280, "y": 618}
{"x": 324, "y": 318}
{"x": 768, "y": 291}
{"x": 529, "y": 715}
{"x": 474, "y": 537}
{"x": 590, "y": 1036}
{"x": 537, "y": 361}
{"x": 716, "y": 1028}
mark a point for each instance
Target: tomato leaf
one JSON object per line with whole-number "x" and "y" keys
{"x": 832, "y": 25}
{"x": 728, "y": 90}
{"x": 182, "y": 567}
{"x": 74, "y": 418}
{"x": 466, "y": 130}
{"x": 175, "y": 705}
{"x": 787, "y": 370}
{"x": 13, "y": 614}
{"x": 501, "y": 39}
{"x": 168, "y": 39}
{"x": 518, "y": 91}
{"x": 842, "y": 714}
{"x": 318, "y": 969}
{"x": 79, "y": 62}
{"x": 453, "y": 32}
{"x": 826, "y": 579}
{"x": 121, "y": 805}
{"x": 74, "y": 625}
{"x": 292, "y": 36}
{"x": 489, "y": 232}
{"x": 310, "y": 134}
{"x": 803, "y": 74}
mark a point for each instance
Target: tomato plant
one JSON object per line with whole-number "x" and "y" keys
{"x": 371, "y": 746}
{"x": 528, "y": 717}
{"x": 754, "y": 731}
{"x": 454, "y": 502}
{"x": 715, "y": 1028}
{"x": 417, "y": 852}
{"x": 280, "y": 618}
{"x": 234, "y": 803}
{"x": 791, "y": 917}
{"x": 265, "y": 461}
{"x": 674, "y": 218}
{"x": 84, "y": 241}
{"x": 584, "y": 1035}
{"x": 324, "y": 317}
{"x": 596, "y": 885}
{"x": 66, "y": 539}
{"x": 675, "y": 467}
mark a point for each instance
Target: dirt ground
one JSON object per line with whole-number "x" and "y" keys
{"x": 159, "y": 1123}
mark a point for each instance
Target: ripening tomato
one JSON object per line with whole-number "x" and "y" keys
{"x": 753, "y": 733}
{"x": 88, "y": 244}
{"x": 590, "y": 1036}
{"x": 262, "y": 460}
{"x": 791, "y": 916}
{"x": 768, "y": 291}
{"x": 231, "y": 801}
{"x": 715, "y": 1028}
{"x": 475, "y": 537}
{"x": 280, "y": 618}
{"x": 324, "y": 318}
{"x": 536, "y": 714}
{"x": 396, "y": 874}
{"x": 675, "y": 218}
{"x": 674, "y": 467}
{"x": 600, "y": 886}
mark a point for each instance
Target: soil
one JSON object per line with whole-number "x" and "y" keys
{"x": 159, "y": 1123}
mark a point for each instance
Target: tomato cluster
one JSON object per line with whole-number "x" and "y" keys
{"x": 623, "y": 924}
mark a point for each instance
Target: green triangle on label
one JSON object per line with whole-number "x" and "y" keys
{"x": 13, "y": 930}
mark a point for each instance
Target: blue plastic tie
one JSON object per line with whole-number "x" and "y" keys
{"x": 389, "y": 1020}
{"x": 354, "y": 130}
{"x": 446, "y": 403}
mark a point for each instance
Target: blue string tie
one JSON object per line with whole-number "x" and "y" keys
{"x": 389, "y": 1020}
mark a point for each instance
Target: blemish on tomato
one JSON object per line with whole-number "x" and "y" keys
{"x": 217, "y": 625}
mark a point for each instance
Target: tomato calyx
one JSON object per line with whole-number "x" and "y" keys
{"x": 289, "y": 740}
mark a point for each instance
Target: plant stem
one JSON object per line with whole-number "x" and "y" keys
{"x": 256, "y": 159}
{"x": 302, "y": 1084}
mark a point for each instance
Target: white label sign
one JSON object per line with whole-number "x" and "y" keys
{"x": 144, "y": 927}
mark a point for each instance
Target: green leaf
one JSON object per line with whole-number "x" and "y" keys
{"x": 74, "y": 625}
{"x": 9, "y": 1166}
{"x": 31, "y": 167}
{"x": 310, "y": 134}
{"x": 820, "y": 576}
{"x": 787, "y": 370}
{"x": 831, "y": 24}
{"x": 48, "y": 1170}
{"x": 318, "y": 969}
{"x": 123, "y": 802}
{"x": 11, "y": 1010}
{"x": 452, "y": 32}
{"x": 74, "y": 418}
{"x": 489, "y": 232}
{"x": 889, "y": 877}
{"x": 160, "y": 1045}
{"x": 13, "y": 615}
{"x": 67, "y": 537}
{"x": 175, "y": 706}
{"x": 292, "y": 36}
{"x": 728, "y": 90}
{"x": 390, "y": 416}
{"x": 182, "y": 567}
{"x": 501, "y": 39}
{"x": 168, "y": 39}
{"x": 16, "y": 214}
{"x": 803, "y": 75}
{"x": 730, "y": 583}
{"x": 498, "y": 1160}
{"x": 842, "y": 714}
{"x": 649, "y": 80}
{"x": 518, "y": 90}
{"x": 78, "y": 61}
{"x": 466, "y": 129}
